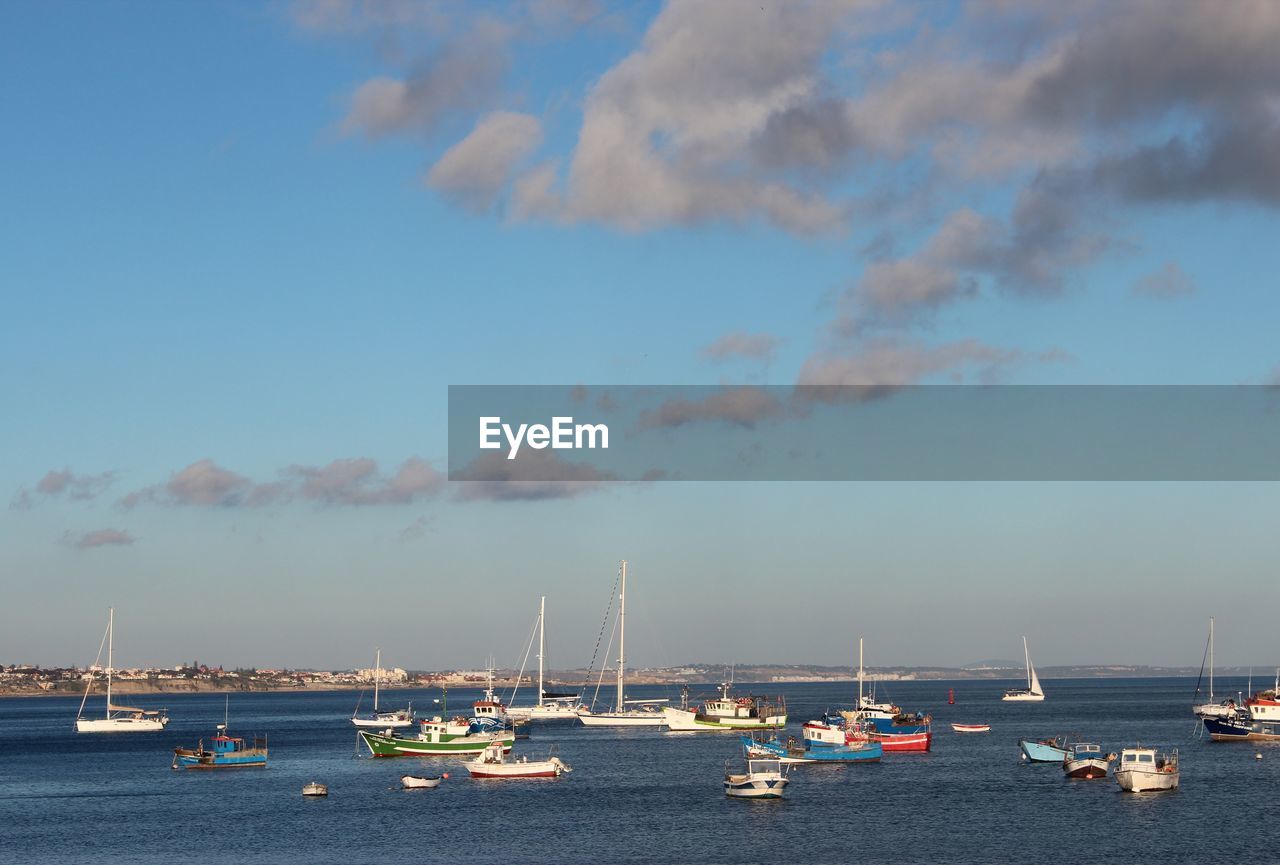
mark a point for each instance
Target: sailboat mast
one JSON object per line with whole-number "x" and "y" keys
{"x": 622, "y": 632}
{"x": 377, "y": 677}
{"x": 859, "y": 672}
{"x": 1211, "y": 659}
{"x": 542, "y": 642}
{"x": 1026, "y": 653}
{"x": 111, "y": 623}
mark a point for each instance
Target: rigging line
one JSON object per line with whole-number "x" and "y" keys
{"x": 586, "y": 680}
{"x": 1203, "y": 661}
{"x": 520, "y": 676}
{"x": 88, "y": 683}
{"x": 604, "y": 668}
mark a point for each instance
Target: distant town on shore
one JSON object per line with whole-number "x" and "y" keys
{"x": 30, "y": 680}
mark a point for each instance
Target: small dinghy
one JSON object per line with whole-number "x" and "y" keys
{"x": 417, "y": 782}
{"x": 313, "y": 789}
{"x": 763, "y": 779}
{"x": 493, "y": 763}
{"x": 971, "y": 728}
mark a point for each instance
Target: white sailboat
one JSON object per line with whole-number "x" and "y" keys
{"x": 1214, "y": 709}
{"x": 118, "y": 719}
{"x": 643, "y": 712}
{"x": 380, "y": 720}
{"x": 560, "y": 707}
{"x": 1033, "y": 693}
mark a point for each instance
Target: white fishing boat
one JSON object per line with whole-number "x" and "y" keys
{"x": 1143, "y": 770}
{"x": 380, "y": 720}
{"x": 489, "y": 712}
{"x": 1214, "y": 708}
{"x": 315, "y": 789}
{"x": 729, "y": 713}
{"x": 626, "y": 713}
{"x": 1033, "y": 693}
{"x": 118, "y": 719}
{"x": 762, "y": 778}
{"x": 419, "y": 782}
{"x": 550, "y": 707}
{"x": 1265, "y": 705}
{"x": 493, "y": 762}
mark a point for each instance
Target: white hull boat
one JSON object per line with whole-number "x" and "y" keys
{"x": 1033, "y": 693}
{"x": 118, "y": 719}
{"x": 417, "y": 782}
{"x": 644, "y": 715}
{"x": 315, "y": 790}
{"x": 382, "y": 720}
{"x": 550, "y": 707}
{"x": 1143, "y": 770}
{"x": 494, "y": 763}
{"x": 763, "y": 779}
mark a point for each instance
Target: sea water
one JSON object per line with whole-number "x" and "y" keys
{"x": 638, "y": 795}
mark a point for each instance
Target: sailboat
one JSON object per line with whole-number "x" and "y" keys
{"x": 550, "y": 707}
{"x": 1033, "y": 693}
{"x": 118, "y": 719}
{"x": 1223, "y": 709}
{"x": 382, "y": 720}
{"x": 642, "y": 713}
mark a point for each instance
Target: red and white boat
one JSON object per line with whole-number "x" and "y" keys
{"x": 971, "y": 728}
{"x": 493, "y": 763}
{"x": 903, "y": 741}
{"x": 1265, "y": 705}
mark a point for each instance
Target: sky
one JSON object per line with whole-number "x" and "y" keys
{"x": 246, "y": 248}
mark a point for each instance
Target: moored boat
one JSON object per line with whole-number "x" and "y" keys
{"x": 1033, "y": 693}
{"x": 761, "y": 778}
{"x": 1265, "y": 705}
{"x": 792, "y": 751}
{"x": 378, "y": 719}
{"x": 422, "y": 782}
{"x": 1241, "y": 729}
{"x": 315, "y": 789}
{"x": 1144, "y": 770}
{"x": 494, "y": 762}
{"x": 223, "y": 752}
{"x": 1086, "y": 760}
{"x": 551, "y": 705}
{"x": 728, "y": 713}
{"x": 1044, "y": 750}
{"x": 971, "y": 728}
{"x": 118, "y": 719}
{"x": 436, "y": 738}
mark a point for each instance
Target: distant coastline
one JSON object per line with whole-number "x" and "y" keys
{"x": 31, "y": 682}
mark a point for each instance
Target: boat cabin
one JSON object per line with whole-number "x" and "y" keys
{"x": 1148, "y": 760}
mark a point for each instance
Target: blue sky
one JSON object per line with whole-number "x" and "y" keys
{"x": 244, "y": 242}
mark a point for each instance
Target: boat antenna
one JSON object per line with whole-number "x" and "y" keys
{"x": 226, "y": 714}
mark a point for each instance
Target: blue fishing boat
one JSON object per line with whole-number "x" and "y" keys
{"x": 1241, "y": 728}
{"x": 792, "y": 751}
{"x": 1044, "y": 750}
{"x": 224, "y": 752}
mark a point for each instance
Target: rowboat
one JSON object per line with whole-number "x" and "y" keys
{"x": 763, "y": 778}
{"x": 971, "y": 728}
{"x": 315, "y": 790}
{"x": 1044, "y": 750}
{"x": 494, "y": 763}
{"x": 1143, "y": 770}
{"x": 419, "y": 782}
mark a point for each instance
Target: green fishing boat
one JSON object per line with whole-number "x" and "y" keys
{"x": 437, "y": 738}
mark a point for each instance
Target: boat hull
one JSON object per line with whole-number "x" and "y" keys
{"x": 538, "y": 769}
{"x": 1041, "y": 752}
{"x": 622, "y": 719}
{"x": 374, "y": 724}
{"x": 381, "y": 745}
{"x": 684, "y": 721}
{"x": 866, "y": 752}
{"x": 743, "y": 787}
{"x": 1225, "y": 730}
{"x": 1088, "y": 768}
{"x": 416, "y": 782}
{"x": 188, "y": 759}
{"x": 897, "y": 742}
{"x": 120, "y": 725}
{"x": 1146, "y": 782}
{"x": 1022, "y": 697}
{"x": 971, "y": 728}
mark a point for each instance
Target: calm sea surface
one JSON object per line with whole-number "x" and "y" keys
{"x": 634, "y": 796}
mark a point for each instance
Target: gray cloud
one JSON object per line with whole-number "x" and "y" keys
{"x": 99, "y": 538}
{"x": 1168, "y": 282}
{"x": 739, "y": 406}
{"x": 64, "y": 482}
{"x": 535, "y": 476}
{"x": 356, "y": 482}
{"x": 894, "y": 363}
{"x": 740, "y": 344}
{"x": 205, "y": 483}
{"x": 476, "y": 169}
{"x": 416, "y": 529}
